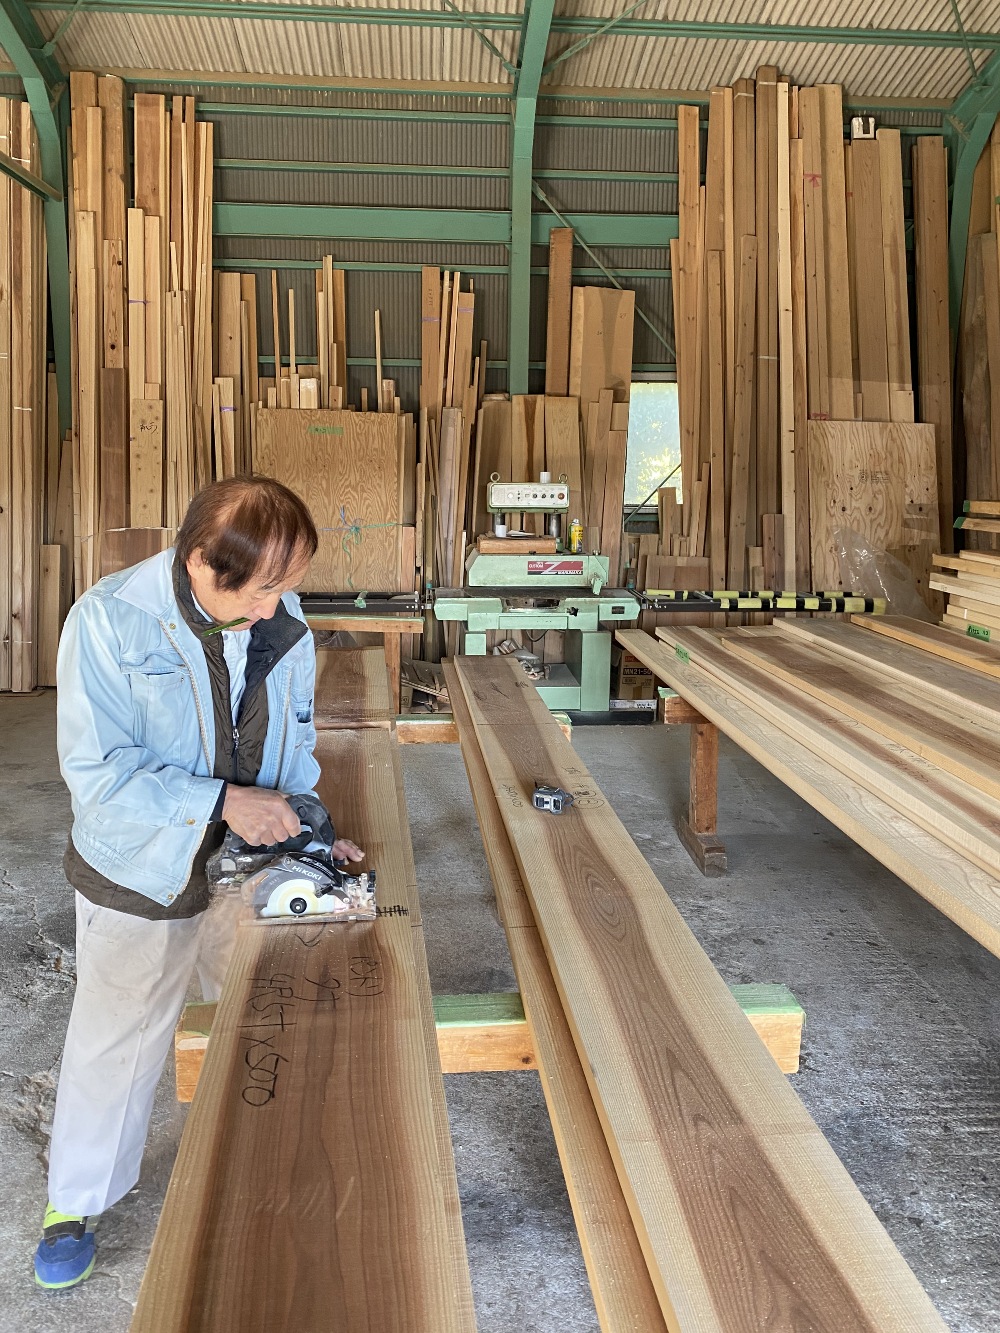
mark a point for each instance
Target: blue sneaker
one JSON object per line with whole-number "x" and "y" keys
{"x": 65, "y": 1254}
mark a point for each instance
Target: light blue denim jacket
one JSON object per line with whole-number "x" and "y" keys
{"x": 136, "y": 734}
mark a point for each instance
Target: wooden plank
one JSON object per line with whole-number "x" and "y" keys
{"x": 947, "y": 736}
{"x": 563, "y": 456}
{"x": 838, "y": 296}
{"x": 114, "y": 449}
{"x": 155, "y": 311}
{"x": 146, "y": 463}
{"x": 877, "y": 479}
{"x": 623, "y": 1293}
{"x": 115, "y": 325}
{"x": 800, "y": 360}
{"x": 894, "y": 267}
{"x": 767, "y": 298}
{"x": 817, "y": 339}
{"x": 6, "y": 498}
{"x": 602, "y": 339}
{"x": 930, "y": 243}
{"x": 318, "y": 997}
{"x": 559, "y": 311}
{"x": 786, "y": 416}
{"x": 687, "y": 334}
{"x": 122, "y": 548}
{"x": 345, "y": 465}
{"x": 931, "y": 639}
{"x": 717, "y": 416}
{"x": 352, "y": 689}
{"x": 493, "y": 456}
{"x": 643, "y": 999}
{"x": 49, "y": 612}
{"x": 743, "y": 412}
{"x": 430, "y": 337}
{"x": 954, "y": 684}
{"x": 869, "y": 279}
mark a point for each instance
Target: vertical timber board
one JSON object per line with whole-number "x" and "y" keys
{"x": 742, "y": 416}
{"x": 146, "y": 463}
{"x": 6, "y": 534}
{"x": 897, "y": 309}
{"x": 838, "y": 293}
{"x": 114, "y": 449}
{"x": 869, "y": 280}
{"x": 559, "y": 312}
{"x": 930, "y": 243}
{"x": 786, "y": 347}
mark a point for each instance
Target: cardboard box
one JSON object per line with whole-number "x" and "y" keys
{"x": 632, "y": 680}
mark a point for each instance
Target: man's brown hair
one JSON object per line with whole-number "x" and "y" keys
{"x": 247, "y": 527}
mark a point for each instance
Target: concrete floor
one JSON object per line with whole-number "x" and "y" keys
{"x": 901, "y": 1060}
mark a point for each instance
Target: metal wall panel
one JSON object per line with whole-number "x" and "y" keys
{"x": 361, "y": 190}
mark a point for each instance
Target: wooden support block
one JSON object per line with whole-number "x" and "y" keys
{"x": 697, "y": 831}
{"x": 674, "y": 711}
{"x": 777, "y": 1018}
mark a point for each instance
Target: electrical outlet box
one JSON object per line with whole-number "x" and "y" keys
{"x": 509, "y": 497}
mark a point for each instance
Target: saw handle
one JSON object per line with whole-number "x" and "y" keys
{"x": 316, "y": 827}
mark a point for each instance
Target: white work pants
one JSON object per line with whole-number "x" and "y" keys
{"x": 132, "y": 980}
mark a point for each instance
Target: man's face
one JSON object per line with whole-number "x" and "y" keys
{"x": 255, "y": 601}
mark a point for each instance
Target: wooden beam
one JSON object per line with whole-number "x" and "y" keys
{"x": 979, "y": 656}
{"x": 559, "y": 311}
{"x": 618, "y": 948}
{"x": 289, "y": 1069}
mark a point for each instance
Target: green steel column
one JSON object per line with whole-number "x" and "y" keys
{"x": 536, "y": 38}
{"x": 968, "y": 127}
{"x": 45, "y": 89}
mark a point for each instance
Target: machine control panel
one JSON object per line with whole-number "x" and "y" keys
{"x": 525, "y": 496}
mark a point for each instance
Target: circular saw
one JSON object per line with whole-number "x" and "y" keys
{"x": 297, "y": 878}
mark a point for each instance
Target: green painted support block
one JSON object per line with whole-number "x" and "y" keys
{"x": 478, "y": 1010}
{"x": 761, "y": 998}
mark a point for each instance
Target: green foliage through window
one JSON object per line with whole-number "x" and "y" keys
{"x": 654, "y": 440}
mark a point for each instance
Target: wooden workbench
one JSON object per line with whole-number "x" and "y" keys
{"x": 392, "y": 627}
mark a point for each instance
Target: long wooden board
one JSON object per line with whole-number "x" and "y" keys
{"x": 951, "y": 736}
{"x": 741, "y": 1206}
{"x": 314, "y": 1187}
{"x": 955, "y": 685}
{"x": 619, "y": 1279}
{"x": 953, "y": 884}
{"x": 352, "y": 689}
{"x": 559, "y": 311}
{"x": 980, "y": 657}
{"x": 942, "y": 805}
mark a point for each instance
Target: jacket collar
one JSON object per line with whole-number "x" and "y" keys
{"x": 150, "y": 588}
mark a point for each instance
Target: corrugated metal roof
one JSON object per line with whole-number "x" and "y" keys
{"x": 400, "y": 53}
{"x": 865, "y": 71}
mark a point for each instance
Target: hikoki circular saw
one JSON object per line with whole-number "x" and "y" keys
{"x": 297, "y": 879}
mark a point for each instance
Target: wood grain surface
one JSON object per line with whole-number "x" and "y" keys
{"x": 879, "y": 479}
{"x": 746, "y": 1217}
{"x": 315, "y": 1186}
{"x": 957, "y": 887}
{"x": 953, "y": 683}
{"x": 352, "y": 689}
{"x": 952, "y": 735}
{"x": 345, "y": 465}
{"x": 623, "y": 1293}
{"x": 944, "y": 806}
{"x": 980, "y": 657}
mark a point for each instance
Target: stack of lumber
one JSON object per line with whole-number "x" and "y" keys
{"x": 141, "y": 282}
{"x": 978, "y": 352}
{"x": 971, "y": 579}
{"x": 888, "y": 727}
{"x": 792, "y": 326}
{"x": 35, "y": 472}
{"x": 704, "y": 1195}
{"x": 315, "y": 1183}
{"x": 325, "y": 383}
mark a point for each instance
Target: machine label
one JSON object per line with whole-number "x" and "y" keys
{"x": 558, "y": 567}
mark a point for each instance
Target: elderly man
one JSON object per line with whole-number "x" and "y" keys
{"x": 185, "y": 689}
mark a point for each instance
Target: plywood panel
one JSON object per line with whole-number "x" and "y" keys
{"x": 345, "y": 465}
{"x": 878, "y": 479}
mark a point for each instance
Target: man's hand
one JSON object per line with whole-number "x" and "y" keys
{"x": 259, "y": 815}
{"x": 345, "y": 850}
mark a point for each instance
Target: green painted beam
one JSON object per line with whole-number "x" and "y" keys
{"x": 412, "y": 169}
{"x": 968, "y": 128}
{"x": 284, "y": 11}
{"x": 46, "y": 92}
{"x": 454, "y": 225}
{"x": 531, "y": 59}
{"x": 12, "y": 168}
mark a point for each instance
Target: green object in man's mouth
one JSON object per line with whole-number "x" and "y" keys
{"x": 217, "y": 629}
